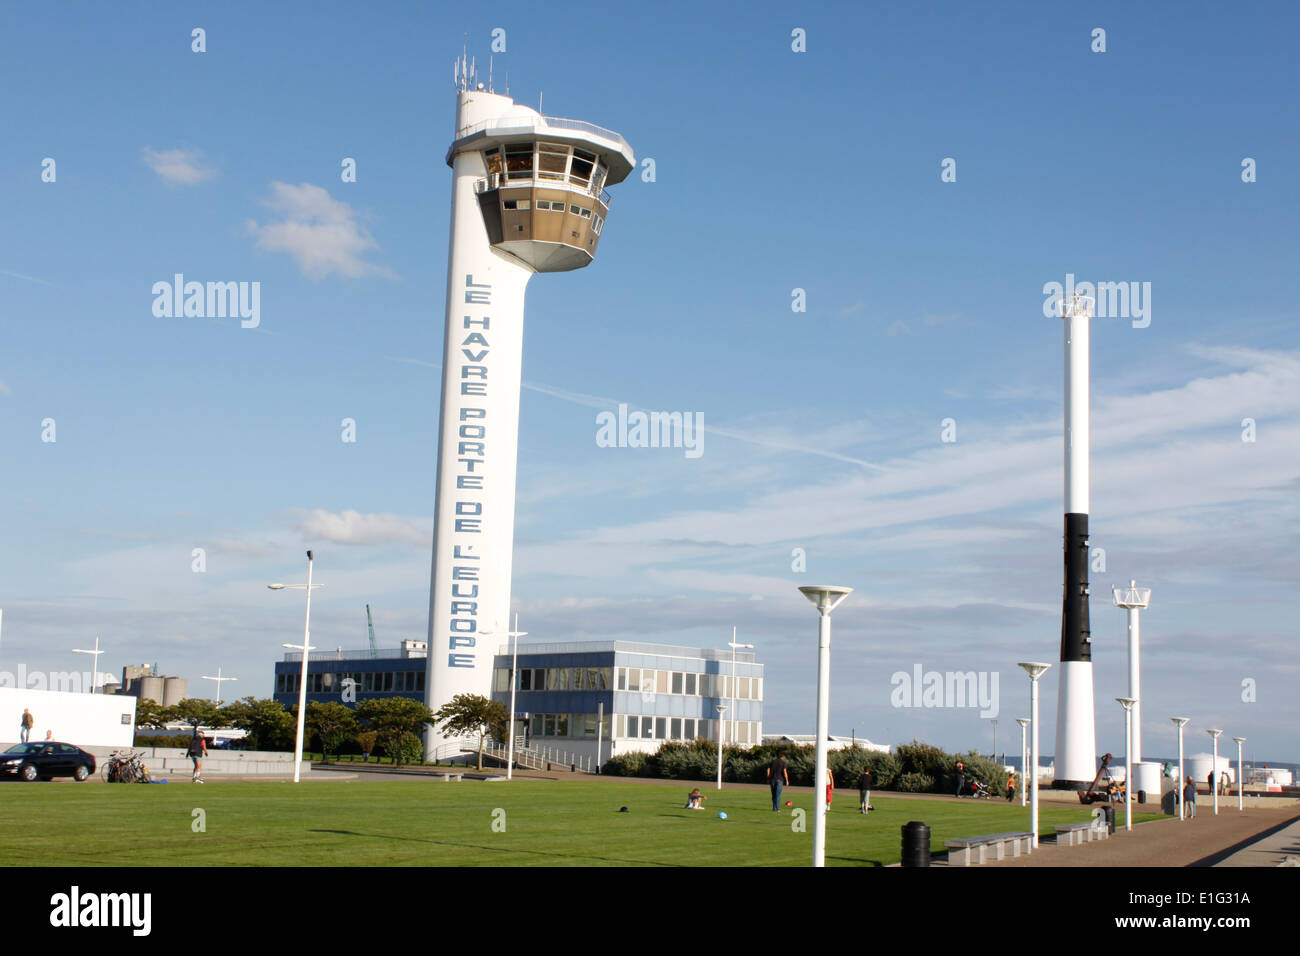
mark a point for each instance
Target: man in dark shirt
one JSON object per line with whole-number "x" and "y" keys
{"x": 864, "y": 790}
{"x": 777, "y": 778}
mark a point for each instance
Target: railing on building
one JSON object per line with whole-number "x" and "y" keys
{"x": 629, "y": 647}
{"x": 554, "y": 122}
{"x": 537, "y": 758}
{"x": 340, "y": 654}
{"x": 494, "y": 181}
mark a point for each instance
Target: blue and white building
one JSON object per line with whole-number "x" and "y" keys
{"x": 651, "y": 693}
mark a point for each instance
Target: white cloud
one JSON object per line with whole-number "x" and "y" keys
{"x": 179, "y": 167}
{"x": 5, "y": 389}
{"x": 352, "y": 527}
{"x": 320, "y": 233}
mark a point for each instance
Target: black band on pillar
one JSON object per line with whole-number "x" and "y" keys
{"x": 1076, "y": 636}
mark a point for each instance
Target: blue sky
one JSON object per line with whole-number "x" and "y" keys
{"x": 775, "y": 170}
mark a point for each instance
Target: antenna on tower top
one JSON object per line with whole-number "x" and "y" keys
{"x": 490, "y": 90}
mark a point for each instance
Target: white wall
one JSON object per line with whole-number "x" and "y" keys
{"x": 83, "y": 720}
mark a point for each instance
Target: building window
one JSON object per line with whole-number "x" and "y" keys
{"x": 633, "y": 726}
{"x": 690, "y": 684}
{"x": 661, "y": 728}
{"x": 675, "y": 731}
{"x": 519, "y": 161}
{"x": 661, "y": 682}
{"x": 598, "y": 224}
{"x": 677, "y": 682}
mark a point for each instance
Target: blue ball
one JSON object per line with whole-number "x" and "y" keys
{"x": 722, "y": 815}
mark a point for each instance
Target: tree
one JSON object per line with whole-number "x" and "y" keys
{"x": 366, "y": 741}
{"x": 149, "y": 713}
{"x": 333, "y": 723}
{"x": 269, "y": 725}
{"x": 392, "y": 718}
{"x": 472, "y": 714}
{"x": 196, "y": 712}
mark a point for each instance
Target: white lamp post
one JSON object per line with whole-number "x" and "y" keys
{"x": 1214, "y": 787}
{"x": 1127, "y": 703}
{"x": 1035, "y": 670}
{"x": 1024, "y": 757}
{"x": 722, "y": 710}
{"x": 733, "y": 645}
{"x": 306, "y": 648}
{"x": 827, "y": 598}
{"x": 1180, "y": 723}
{"x": 514, "y": 679}
{"x": 1241, "y": 780}
{"x": 219, "y": 679}
{"x": 94, "y": 673}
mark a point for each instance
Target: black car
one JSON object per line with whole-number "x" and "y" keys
{"x": 45, "y": 760}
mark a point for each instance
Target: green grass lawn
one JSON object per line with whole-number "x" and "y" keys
{"x": 423, "y": 823}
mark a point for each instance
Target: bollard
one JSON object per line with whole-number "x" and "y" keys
{"x": 916, "y": 844}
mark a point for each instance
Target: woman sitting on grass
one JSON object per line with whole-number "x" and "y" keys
{"x": 695, "y": 800}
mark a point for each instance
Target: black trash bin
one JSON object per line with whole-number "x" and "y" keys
{"x": 1109, "y": 812}
{"x": 916, "y": 844}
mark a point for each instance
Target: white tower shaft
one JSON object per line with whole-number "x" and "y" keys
{"x": 478, "y": 437}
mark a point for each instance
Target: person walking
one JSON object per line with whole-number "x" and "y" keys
{"x": 961, "y": 779}
{"x": 1011, "y": 786}
{"x": 830, "y": 787}
{"x": 28, "y": 722}
{"x": 778, "y": 777}
{"x": 865, "y": 779}
{"x": 1189, "y": 798}
{"x": 197, "y": 751}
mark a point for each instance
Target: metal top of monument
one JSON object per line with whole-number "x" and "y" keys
{"x": 1132, "y": 596}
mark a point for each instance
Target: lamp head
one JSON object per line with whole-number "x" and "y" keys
{"x": 1023, "y": 721}
{"x": 1239, "y": 740}
{"x": 1180, "y": 721}
{"x": 1034, "y": 669}
{"x": 1214, "y": 733}
{"x": 827, "y": 597}
{"x": 1127, "y": 702}
{"x": 276, "y": 587}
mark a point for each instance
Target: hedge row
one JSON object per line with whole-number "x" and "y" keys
{"x": 914, "y": 767}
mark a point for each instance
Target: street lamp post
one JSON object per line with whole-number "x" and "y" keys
{"x": 219, "y": 679}
{"x": 1241, "y": 780}
{"x": 514, "y": 679}
{"x": 1035, "y": 670}
{"x": 733, "y": 645}
{"x": 306, "y": 649}
{"x": 94, "y": 672}
{"x": 1180, "y": 723}
{"x": 1214, "y": 787}
{"x": 1024, "y": 758}
{"x": 722, "y": 710}
{"x": 1127, "y": 703}
{"x": 827, "y": 598}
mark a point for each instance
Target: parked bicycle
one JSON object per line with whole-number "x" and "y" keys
{"x": 125, "y": 766}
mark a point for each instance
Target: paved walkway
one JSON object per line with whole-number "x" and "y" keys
{"x": 1206, "y": 841}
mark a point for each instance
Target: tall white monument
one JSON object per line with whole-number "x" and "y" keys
{"x": 1076, "y": 740}
{"x": 528, "y": 196}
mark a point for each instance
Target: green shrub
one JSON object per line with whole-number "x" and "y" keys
{"x": 915, "y": 783}
{"x": 630, "y": 764}
{"x": 410, "y": 749}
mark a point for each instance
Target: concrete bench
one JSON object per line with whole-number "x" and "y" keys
{"x": 448, "y": 777}
{"x": 1071, "y": 833}
{"x": 959, "y": 851}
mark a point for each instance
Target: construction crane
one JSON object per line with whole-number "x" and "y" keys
{"x": 374, "y": 650}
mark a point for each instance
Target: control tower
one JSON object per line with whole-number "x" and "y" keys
{"x": 528, "y": 196}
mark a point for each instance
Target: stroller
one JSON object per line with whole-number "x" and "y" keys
{"x": 980, "y": 791}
